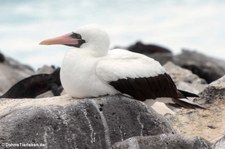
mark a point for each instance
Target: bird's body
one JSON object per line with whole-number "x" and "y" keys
{"x": 99, "y": 72}
{"x": 90, "y": 69}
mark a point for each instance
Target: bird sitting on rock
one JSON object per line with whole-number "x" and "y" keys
{"x": 90, "y": 69}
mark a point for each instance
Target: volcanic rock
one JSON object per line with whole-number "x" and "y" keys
{"x": 139, "y": 47}
{"x": 205, "y": 67}
{"x": 64, "y": 122}
{"x": 2, "y": 58}
{"x": 157, "y": 52}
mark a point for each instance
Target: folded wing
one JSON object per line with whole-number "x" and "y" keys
{"x": 136, "y": 75}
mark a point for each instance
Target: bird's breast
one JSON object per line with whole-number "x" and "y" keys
{"x": 79, "y": 79}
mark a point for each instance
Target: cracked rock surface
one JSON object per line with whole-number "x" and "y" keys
{"x": 63, "y": 122}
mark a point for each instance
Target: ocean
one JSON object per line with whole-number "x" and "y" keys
{"x": 175, "y": 24}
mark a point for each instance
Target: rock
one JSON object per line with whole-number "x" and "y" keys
{"x": 208, "y": 123}
{"x": 11, "y": 71}
{"x": 35, "y": 85}
{"x": 139, "y": 47}
{"x": 185, "y": 79}
{"x": 18, "y": 66}
{"x": 2, "y": 58}
{"x": 220, "y": 144}
{"x": 180, "y": 74}
{"x": 214, "y": 92}
{"x": 205, "y": 67}
{"x": 162, "y": 58}
{"x": 45, "y": 69}
{"x": 160, "y": 106}
{"x": 9, "y": 76}
{"x": 63, "y": 122}
{"x": 162, "y": 141}
{"x": 159, "y": 53}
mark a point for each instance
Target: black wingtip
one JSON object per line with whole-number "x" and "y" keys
{"x": 188, "y": 104}
{"x": 187, "y": 94}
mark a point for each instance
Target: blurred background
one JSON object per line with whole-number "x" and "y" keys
{"x": 175, "y": 24}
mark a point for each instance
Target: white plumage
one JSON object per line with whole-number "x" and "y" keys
{"x": 87, "y": 71}
{"x": 123, "y": 64}
{"x": 90, "y": 69}
{"x": 83, "y": 75}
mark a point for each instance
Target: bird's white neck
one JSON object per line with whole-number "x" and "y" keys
{"x": 94, "y": 50}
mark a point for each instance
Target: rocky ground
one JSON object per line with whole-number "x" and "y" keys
{"x": 209, "y": 123}
{"x": 115, "y": 121}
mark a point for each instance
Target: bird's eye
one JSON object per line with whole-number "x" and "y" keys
{"x": 78, "y": 36}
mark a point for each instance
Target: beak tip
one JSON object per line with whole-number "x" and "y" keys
{"x": 43, "y": 43}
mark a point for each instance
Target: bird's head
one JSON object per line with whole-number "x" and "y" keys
{"x": 89, "y": 37}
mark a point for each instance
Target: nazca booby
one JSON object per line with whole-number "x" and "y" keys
{"x": 90, "y": 69}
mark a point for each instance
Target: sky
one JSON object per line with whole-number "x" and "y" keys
{"x": 175, "y": 24}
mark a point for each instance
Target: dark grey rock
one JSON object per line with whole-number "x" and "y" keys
{"x": 62, "y": 122}
{"x": 140, "y": 47}
{"x": 162, "y": 141}
{"x": 162, "y": 58}
{"x": 2, "y": 58}
{"x": 157, "y": 52}
{"x": 205, "y": 67}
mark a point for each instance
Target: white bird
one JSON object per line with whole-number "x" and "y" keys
{"x": 90, "y": 69}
